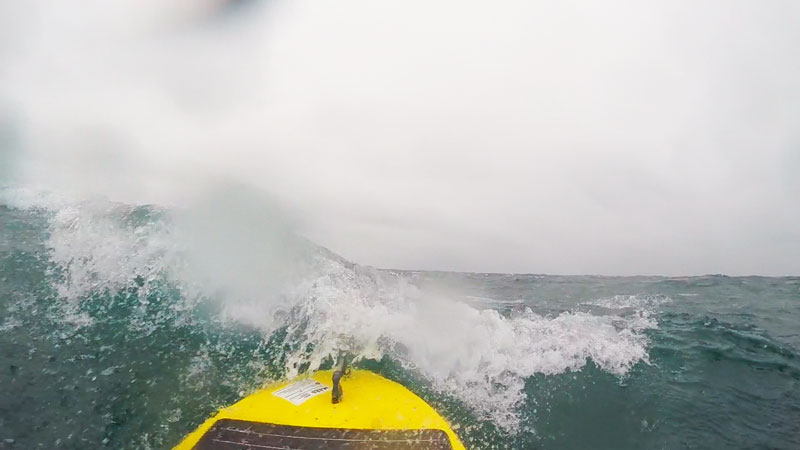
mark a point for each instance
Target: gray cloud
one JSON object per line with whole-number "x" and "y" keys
{"x": 629, "y": 137}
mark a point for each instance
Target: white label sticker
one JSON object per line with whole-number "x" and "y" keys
{"x": 299, "y": 392}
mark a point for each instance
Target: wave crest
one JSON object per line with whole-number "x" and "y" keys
{"x": 325, "y": 304}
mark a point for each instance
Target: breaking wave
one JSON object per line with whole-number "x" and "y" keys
{"x": 248, "y": 266}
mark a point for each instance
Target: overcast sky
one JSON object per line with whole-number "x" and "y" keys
{"x": 624, "y": 137}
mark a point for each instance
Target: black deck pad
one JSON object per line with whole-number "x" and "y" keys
{"x": 228, "y": 434}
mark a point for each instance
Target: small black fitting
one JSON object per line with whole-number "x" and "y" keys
{"x": 336, "y": 392}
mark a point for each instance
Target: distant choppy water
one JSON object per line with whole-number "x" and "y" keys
{"x": 110, "y": 337}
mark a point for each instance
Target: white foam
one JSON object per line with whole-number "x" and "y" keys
{"x": 639, "y": 301}
{"x": 29, "y": 199}
{"x": 476, "y": 355}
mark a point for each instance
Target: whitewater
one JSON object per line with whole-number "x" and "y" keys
{"x": 124, "y": 326}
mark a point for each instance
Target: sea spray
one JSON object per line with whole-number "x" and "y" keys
{"x": 251, "y": 268}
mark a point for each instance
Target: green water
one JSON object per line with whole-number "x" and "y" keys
{"x": 128, "y": 363}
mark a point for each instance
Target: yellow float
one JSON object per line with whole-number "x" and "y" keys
{"x": 330, "y": 409}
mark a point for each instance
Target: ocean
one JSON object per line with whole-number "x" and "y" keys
{"x": 125, "y": 326}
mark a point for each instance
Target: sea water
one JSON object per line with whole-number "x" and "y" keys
{"x": 125, "y": 326}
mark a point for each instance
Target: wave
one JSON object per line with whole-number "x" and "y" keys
{"x": 241, "y": 261}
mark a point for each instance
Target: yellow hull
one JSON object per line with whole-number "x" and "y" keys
{"x": 370, "y": 402}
